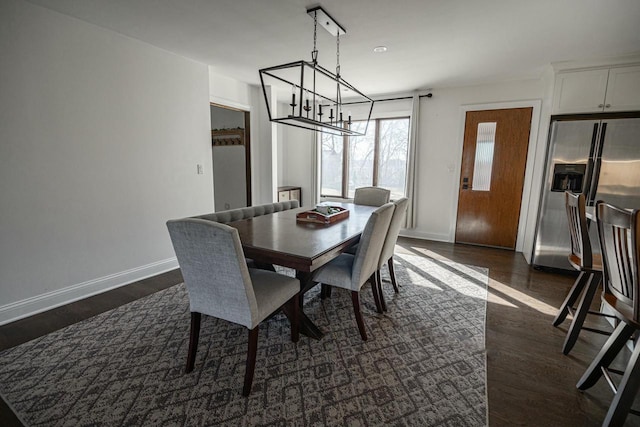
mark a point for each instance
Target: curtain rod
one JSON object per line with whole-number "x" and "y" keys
{"x": 428, "y": 95}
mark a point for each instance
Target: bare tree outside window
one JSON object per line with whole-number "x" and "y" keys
{"x": 377, "y": 158}
{"x": 393, "y": 157}
{"x": 361, "y": 157}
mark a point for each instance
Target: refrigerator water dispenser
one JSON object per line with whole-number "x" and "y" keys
{"x": 568, "y": 177}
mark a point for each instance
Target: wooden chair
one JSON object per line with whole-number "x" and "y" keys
{"x": 386, "y": 256}
{"x": 619, "y": 233}
{"x": 371, "y": 196}
{"x": 351, "y": 272}
{"x": 221, "y": 285}
{"x": 590, "y": 268}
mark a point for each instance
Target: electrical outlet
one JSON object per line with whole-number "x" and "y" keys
{"x": 199, "y": 169}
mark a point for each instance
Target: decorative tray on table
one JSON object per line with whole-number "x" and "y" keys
{"x": 323, "y": 215}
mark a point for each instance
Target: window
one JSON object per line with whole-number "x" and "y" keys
{"x": 483, "y": 163}
{"x": 377, "y": 158}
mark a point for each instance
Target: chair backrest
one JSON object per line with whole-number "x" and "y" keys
{"x": 214, "y": 269}
{"x": 371, "y": 196}
{"x": 619, "y": 233}
{"x": 577, "y": 218}
{"x": 238, "y": 214}
{"x": 370, "y": 245}
{"x": 394, "y": 229}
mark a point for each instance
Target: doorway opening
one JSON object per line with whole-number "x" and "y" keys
{"x": 231, "y": 154}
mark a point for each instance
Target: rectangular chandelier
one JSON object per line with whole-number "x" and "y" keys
{"x": 314, "y": 97}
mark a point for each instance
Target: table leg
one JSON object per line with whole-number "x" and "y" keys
{"x": 307, "y": 327}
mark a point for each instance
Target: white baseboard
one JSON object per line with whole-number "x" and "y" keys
{"x": 34, "y": 305}
{"x": 425, "y": 236}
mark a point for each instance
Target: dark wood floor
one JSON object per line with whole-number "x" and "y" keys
{"x": 530, "y": 382}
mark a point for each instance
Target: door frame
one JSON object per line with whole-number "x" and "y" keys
{"x": 248, "y": 124}
{"x": 532, "y": 149}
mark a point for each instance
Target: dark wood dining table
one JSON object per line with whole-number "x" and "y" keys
{"x": 303, "y": 246}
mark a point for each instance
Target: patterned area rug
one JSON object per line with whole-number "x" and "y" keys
{"x": 424, "y": 363}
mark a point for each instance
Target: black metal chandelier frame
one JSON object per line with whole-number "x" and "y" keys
{"x": 319, "y": 91}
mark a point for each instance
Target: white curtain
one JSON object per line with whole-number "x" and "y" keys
{"x": 412, "y": 167}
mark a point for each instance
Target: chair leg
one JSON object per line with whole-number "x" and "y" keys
{"x": 194, "y": 335}
{"x": 376, "y": 294}
{"x": 295, "y": 317}
{"x": 392, "y": 274}
{"x": 581, "y": 312}
{"x": 251, "y": 361}
{"x": 571, "y": 298}
{"x": 325, "y": 291}
{"x": 627, "y": 390}
{"x": 606, "y": 355}
{"x": 355, "y": 298}
{"x": 378, "y": 284}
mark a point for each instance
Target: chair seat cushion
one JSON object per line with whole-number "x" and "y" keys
{"x": 271, "y": 289}
{"x": 337, "y": 272}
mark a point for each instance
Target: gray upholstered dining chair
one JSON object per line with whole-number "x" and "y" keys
{"x": 220, "y": 284}
{"x": 351, "y": 272}
{"x": 371, "y": 196}
{"x": 388, "y": 248}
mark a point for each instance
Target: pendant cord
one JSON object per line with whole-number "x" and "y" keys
{"x": 314, "y": 52}
{"x": 338, "y": 54}
{"x": 338, "y": 94}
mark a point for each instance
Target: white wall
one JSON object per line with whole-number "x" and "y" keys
{"x": 298, "y": 159}
{"x": 229, "y": 177}
{"x": 101, "y": 135}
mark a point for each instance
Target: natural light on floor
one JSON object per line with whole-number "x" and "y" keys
{"x": 497, "y": 288}
{"x": 520, "y": 298}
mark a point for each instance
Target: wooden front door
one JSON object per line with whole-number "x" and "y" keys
{"x": 492, "y": 176}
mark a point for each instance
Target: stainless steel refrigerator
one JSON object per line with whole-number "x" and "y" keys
{"x": 596, "y": 154}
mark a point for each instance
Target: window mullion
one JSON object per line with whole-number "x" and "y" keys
{"x": 345, "y": 166}
{"x": 376, "y": 153}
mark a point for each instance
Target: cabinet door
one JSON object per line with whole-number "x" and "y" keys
{"x": 580, "y": 91}
{"x": 283, "y": 196}
{"x": 623, "y": 89}
{"x": 295, "y": 195}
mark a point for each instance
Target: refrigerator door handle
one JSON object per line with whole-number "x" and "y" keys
{"x": 594, "y": 184}
{"x": 596, "y": 170}
{"x": 594, "y": 139}
{"x": 590, "y": 163}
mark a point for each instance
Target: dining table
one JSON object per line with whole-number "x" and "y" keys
{"x": 280, "y": 239}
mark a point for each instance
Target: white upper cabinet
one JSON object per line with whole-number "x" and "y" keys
{"x": 595, "y": 91}
{"x": 623, "y": 89}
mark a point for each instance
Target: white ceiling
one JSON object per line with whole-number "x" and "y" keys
{"x": 432, "y": 43}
